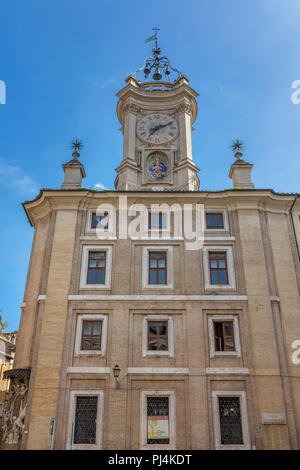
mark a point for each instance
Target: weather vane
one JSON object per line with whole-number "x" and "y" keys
{"x": 160, "y": 64}
{"x": 76, "y": 145}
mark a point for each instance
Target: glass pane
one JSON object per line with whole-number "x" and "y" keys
{"x": 87, "y": 328}
{"x": 222, "y": 263}
{"x": 152, "y": 263}
{"x": 161, "y": 263}
{"x": 96, "y": 342}
{"x": 96, "y": 254}
{"x": 101, "y": 263}
{"x": 92, "y": 263}
{"x": 218, "y": 221}
{"x": 152, "y": 328}
{"x": 162, "y": 220}
{"x": 214, "y": 277}
{"x": 228, "y": 329}
{"x": 223, "y": 277}
{"x": 97, "y": 328}
{"x": 162, "y": 328}
{"x": 152, "y": 277}
{"x": 152, "y": 344}
{"x": 153, "y": 221}
{"x": 95, "y": 221}
{"x": 162, "y": 344}
{"x": 86, "y": 344}
{"x": 92, "y": 276}
{"x": 229, "y": 345}
{"x": 161, "y": 277}
{"x": 101, "y": 276}
{"x": 209, "y": 220}
{"x": 213, "y": 263}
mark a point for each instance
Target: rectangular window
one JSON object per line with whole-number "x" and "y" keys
{"x": 157, "y": 221}
{"x": 157, "y": 268}
{"x": 85, "y": 420}
{"x": 96, "y": 267}
{"x": 157, "y": 335}
{"x": 224, "y": 336}
{"x": 158, "y": 420}
{"x": 102, "y": 220}
{"x": 214, "y": 220}
{"x": 1, "y": 409}
{"x": 91, "y": 335}
{"x": 230, "y": 421}
{"x": 218, "y": 268}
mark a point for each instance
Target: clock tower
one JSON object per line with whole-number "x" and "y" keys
{"x": 157, "y": 118}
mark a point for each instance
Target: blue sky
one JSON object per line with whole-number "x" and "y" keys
{"x": 63, "y": 62}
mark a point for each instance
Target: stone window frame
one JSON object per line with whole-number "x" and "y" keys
{"x": 167, "y": 318}
{"x": 100, "y": 419}
{"x": 229, "y": 262}
{"x": 145, "y": 267}
{"x": 225, "y": 220}
{"x": 110, "y": 233}
{"x": 143, "y": 419}
{"x": 236, "y": 331}
{"x": 84, "y": 266}
{"x": 85, "y": 317}
{"x": 244, "y": 419}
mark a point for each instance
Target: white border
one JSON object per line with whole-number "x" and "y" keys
{"x": 225, "y": 220}
{"x": 84, "y": 266}
{"x": 143, "y": 419}
{"x": 244, "y": 419}
{"x": 145, "y": 267}
{"x": 170, "y": 351}
{"x": 230, "y": 267}
{"x": 100, "y": 418}
{"x": 236, "y": 332}
{"x": 82, "y": 352}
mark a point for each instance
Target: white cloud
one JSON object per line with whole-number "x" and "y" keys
{"x": 14, "y": 177}
{"x": 99, "y": 186}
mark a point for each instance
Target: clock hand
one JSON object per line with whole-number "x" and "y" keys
{"x": 153, "y": 129}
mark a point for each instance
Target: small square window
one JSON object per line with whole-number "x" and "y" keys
{"x": 214, "y": 221}
{"x": 157, "y": 220}
{"x": 218, "y": 268}
{"x": 157, "y": 335}
{"x": 91, "y": 335}
{"x": 224, "y": 336}
{"x": 102, "y": 220}
{"x": 96, "y": 267}
{"x": 157, "y": 268}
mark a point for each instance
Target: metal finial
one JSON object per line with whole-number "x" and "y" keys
{"x": 236, "y": 146}
{"x": 161, "y": 65}
{"x": 76, "y": 145}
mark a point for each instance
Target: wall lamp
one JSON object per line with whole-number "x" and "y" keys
{"x": 116, "y": 372}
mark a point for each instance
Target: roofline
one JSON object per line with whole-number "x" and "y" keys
{"x": 150, "y": 191}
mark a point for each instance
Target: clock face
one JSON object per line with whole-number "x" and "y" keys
{"x": 157, "y": 128}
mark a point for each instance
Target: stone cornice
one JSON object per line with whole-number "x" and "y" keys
{"x": 256, "y": 199}
{"x": 135, "y": 99}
